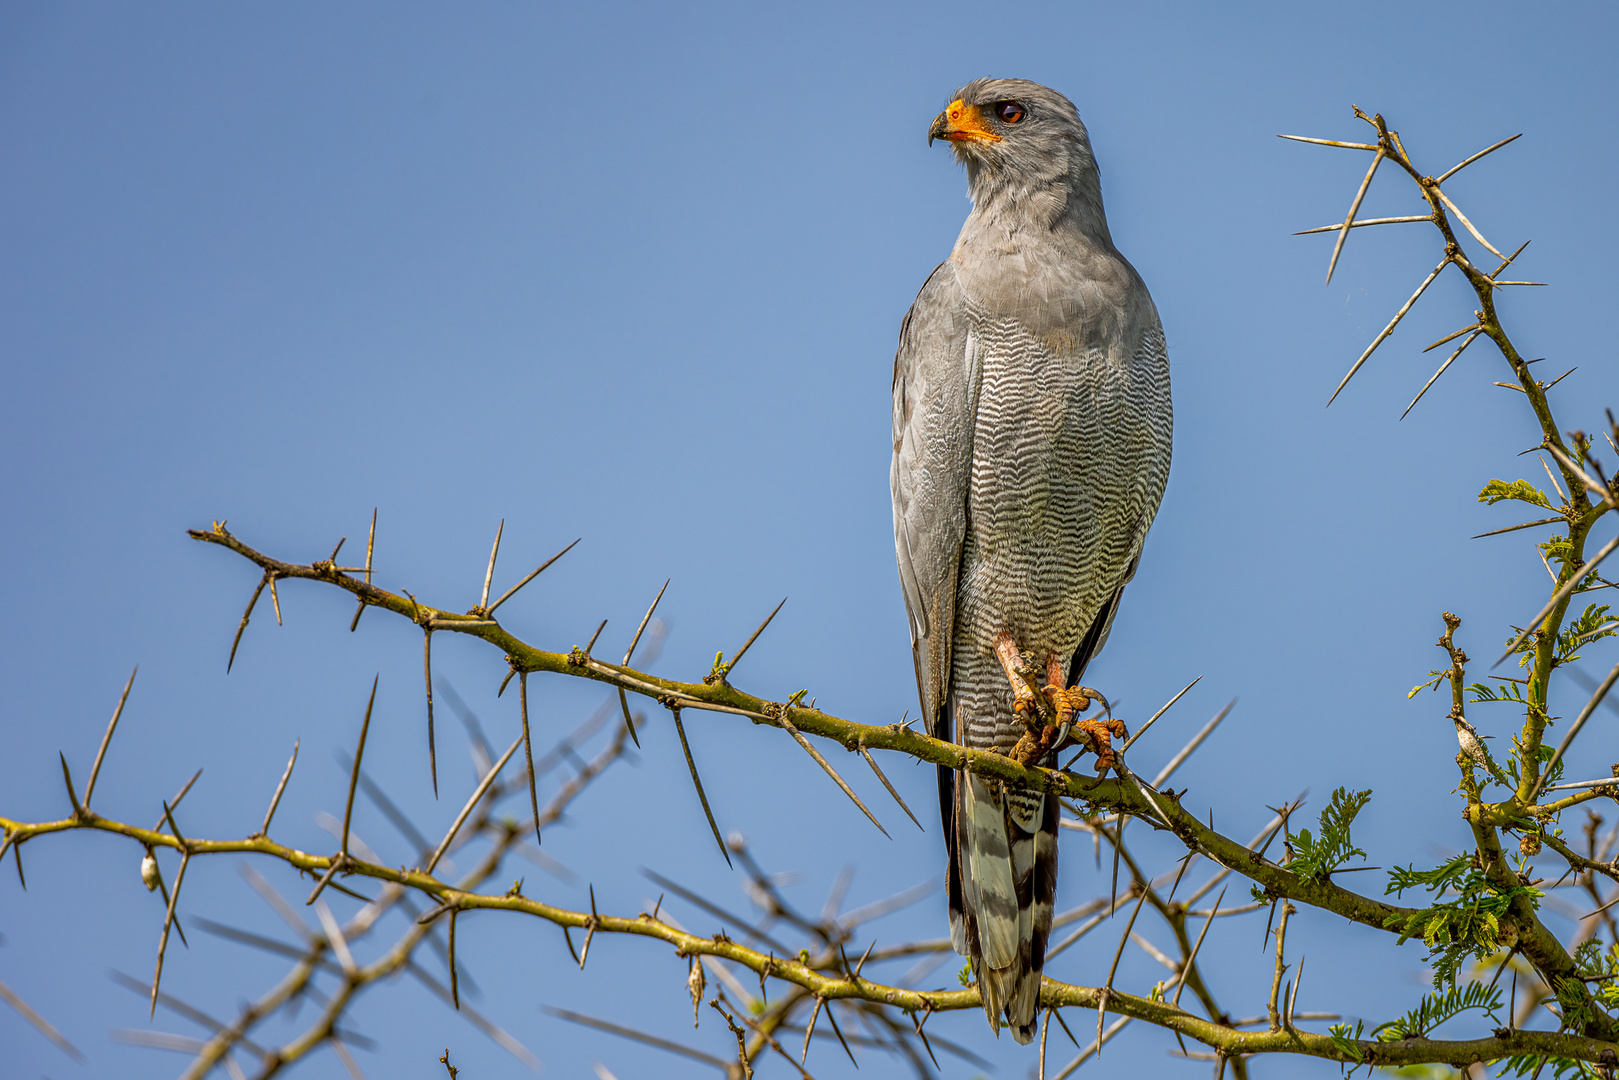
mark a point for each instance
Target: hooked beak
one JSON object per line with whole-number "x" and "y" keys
{"x": 961, "y": 122}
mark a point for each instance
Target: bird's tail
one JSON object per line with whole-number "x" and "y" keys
{"x": 1003, "y": 879}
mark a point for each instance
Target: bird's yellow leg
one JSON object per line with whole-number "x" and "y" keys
{"x": 1024, "y": 703}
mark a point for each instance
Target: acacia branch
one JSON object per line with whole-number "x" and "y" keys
{"x": 1138, "y": 799}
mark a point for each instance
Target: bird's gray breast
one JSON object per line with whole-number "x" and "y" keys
{"x": 1054, "y": 506}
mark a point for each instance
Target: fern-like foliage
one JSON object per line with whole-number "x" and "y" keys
{"x": 1506, "y": 690}
{"x": 1546, "y": 753}
{"x": 1594, "y": 624}
{"x": 1318, "y": 856}
{"x": 1548, "y": 1068}
{"x": 1435, "y": 678}
{"x": 1435, "y": 1008}
{"x": 1343, "y": 1037}
{"x": 1518, "y": 490}
{"x": 1468, "y": 925}
{"x": 1435, "y": 881}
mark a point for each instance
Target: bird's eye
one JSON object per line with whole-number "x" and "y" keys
{"x": 1009, "y": 111}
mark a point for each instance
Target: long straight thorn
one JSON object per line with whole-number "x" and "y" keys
{"x": 427, "y": 669}
{"x": 72, "y": 797}
{"x": 1454, "y": 169}
{"x": 749, "y": 643}
{"x": 680, "y": 729}
{"x": 174, "y": 900}
{"x": 1293, "y": 998}
{"x": 1389, "y": 329}
{"x": 1118, "y": 842}
{"x": 10, "y": 997}
{"x": 246, "y": 615}
{"x": 1524, "y": 525}
{"x": 1143, "y": 728}
{"x": 873, "y": 763}
{"x": 629, "y": 724}
{"x": 1186, "y": 968}
{"x": 275, "y": 600}
{"x": 467, "y": 810}
{"x": 106, "y": 740}
{"x": 592, "y": 643}
{"x": 832, "y": 1019}
{"x": 1197, "y": 740}
{"x": 1107, "y": 987}
{"x": 590, "y": 930}
{"x": 1510, "y": 259}
{"x": 1448, "y": 360}
{"x": 528, "y": 751}
{"x": 636, "y": 640}
{"x": 370, "y": 546}
{"x": 489, "y": 574}
{"x": 455, "y": 981}
{"x": 1468, "y": 224}
{"x": 1331, "y": 142}
{"x": 1452, "y": 337}
{"x": 1364, "y": 222}
{"x": 1354, "y": 208}
{"x": 830, "y": 771}
{"x": 810, "y": 1030}
{"x": 509, "y": 593}
{"x": 174, "y": 804}
{"x": 354, "y": 774}
{"x": 275, "y": 800}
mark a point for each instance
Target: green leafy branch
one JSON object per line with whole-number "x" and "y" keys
{"x": 1468, "y": 925}
{"x": 1436, "y": 1008}
{"x": 1317, "y": 857}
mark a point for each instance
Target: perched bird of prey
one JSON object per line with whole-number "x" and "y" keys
{"x": 1031, "y": 446}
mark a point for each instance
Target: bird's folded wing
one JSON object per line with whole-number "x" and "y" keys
{"x": 935, "y": 384}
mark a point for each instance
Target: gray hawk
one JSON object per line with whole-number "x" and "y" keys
{"x": 1031, "y": 446}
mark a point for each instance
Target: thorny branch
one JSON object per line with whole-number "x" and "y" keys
{"x": 821, "y": 979}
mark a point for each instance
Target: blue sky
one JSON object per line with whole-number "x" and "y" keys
{"x": 634, "y": 273}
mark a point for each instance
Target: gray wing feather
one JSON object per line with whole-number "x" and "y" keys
{"x": 935, "y": 386}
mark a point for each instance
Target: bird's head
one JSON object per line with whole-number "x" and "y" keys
{"x": 1016, "y": 136}
{"x": 1012, "y": 125}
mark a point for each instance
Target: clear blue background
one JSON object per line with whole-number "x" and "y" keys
{"x": 635, "y": 273}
